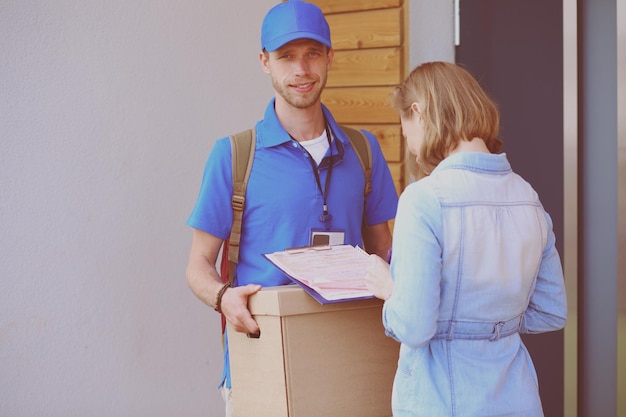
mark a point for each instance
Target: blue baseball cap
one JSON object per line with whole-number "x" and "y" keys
{"x": 291, "y": 20}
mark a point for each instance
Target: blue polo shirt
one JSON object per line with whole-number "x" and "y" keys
{"x": 283, "y": 200}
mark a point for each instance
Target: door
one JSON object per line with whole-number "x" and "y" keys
{"x": 515, "y": 50}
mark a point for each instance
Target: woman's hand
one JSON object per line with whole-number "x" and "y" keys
{"x": 378, "y": 278}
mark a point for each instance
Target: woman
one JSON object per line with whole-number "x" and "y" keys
{"x": 474, "y": 259}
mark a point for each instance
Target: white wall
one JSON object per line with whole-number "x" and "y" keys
{"x": 108, "y": 110}
{"x": 431, "y": 31}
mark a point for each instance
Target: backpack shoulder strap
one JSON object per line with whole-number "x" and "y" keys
{"x": 242, "y": 148}
{"x": 363, "y": 150}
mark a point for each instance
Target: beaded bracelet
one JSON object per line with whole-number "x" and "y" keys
{"x": 218, "y": 297}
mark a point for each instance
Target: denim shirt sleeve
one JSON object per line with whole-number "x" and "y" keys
{"x": 410, "y": 314}
{"x": 547, "y": 309}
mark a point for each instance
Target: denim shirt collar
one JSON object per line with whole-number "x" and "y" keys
{"x": 486, "y": 163}
{"x": 271, "y": 133}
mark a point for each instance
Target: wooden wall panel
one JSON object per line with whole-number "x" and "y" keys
{"x": 360, "y": 105}
{"x": 397, "y": 172}
{"x": 390, "y": 138}
{"x": 337, "y": 6}
{"x": 370, "y": 60}
{"x": 368, "y": 29}
{"x": 367, "y": 67}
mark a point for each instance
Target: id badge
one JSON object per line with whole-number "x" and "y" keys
{"x": 330, "y": 237}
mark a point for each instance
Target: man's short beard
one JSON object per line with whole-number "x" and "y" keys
{"x": 296, "y": 100}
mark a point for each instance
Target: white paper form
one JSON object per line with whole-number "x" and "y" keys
{"x": 336, "y": 273}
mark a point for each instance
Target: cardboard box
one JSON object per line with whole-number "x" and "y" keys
{"x": 312, "y": 360}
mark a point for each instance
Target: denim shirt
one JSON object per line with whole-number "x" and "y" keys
{"x": 474, "y": 264}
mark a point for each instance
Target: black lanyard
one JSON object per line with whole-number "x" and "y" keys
{"x": 326, "y": 216}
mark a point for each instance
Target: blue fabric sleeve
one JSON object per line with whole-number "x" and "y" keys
{"x": 410, "y": 314}
{"x": 213, "y": 212}
{"x": 547, "y": 309}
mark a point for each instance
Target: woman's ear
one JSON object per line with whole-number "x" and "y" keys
{"x": 416, "y": 108}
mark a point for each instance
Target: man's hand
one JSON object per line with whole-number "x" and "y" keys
{"x": 235, "y": 308}
{"x": 378, "y": 277}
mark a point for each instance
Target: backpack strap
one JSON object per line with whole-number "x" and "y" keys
{"x": 363, "y": 150}
{"x": 242, "y": 148}
{"x": 361, "y": 145}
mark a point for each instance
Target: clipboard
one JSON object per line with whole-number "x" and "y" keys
{"x": 330, "y": 274}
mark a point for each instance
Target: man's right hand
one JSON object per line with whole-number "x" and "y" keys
{"x": 235, "y": 308}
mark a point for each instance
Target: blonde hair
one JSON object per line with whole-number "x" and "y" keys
{"x": 453, "y": 107}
